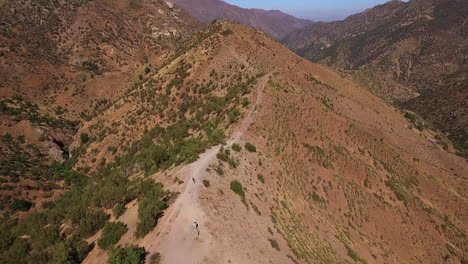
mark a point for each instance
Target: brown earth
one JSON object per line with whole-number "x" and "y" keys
{"x": 345, "y": 176}
{"x": 412, "y": 53}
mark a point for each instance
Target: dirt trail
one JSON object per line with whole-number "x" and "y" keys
{"x": 175, "y": 237}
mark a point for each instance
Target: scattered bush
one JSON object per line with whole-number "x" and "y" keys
{"x": 236, "y": 147}
{"x": 206, "y": 183}
{"x": 178, "y": 181}
{"x": 274, "y": 244}
{"x": 317, "y": 198}
{"x": 111, "y": 234}
{"x": 127, "y": 255}
{"x": 84, "y": 138}
{"x": 250, "y": 147}
{"x": 261, "y": 178}
{"x": 236, "y": 187}
{"x": 21, "y": 205}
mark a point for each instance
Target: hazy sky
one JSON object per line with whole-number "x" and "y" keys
{"x": 324, "y": 10}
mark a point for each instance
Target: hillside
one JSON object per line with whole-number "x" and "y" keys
{"x": 323, "y": 171}
{"x": 275, "y": 23}
{"x": 412, "y": 53}
{"x": 60, "y": 53}
{"x": 278, "y": 159}
{"x": 61, "y": 64}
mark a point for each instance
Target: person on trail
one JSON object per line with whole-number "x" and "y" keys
{"x": 195, "y": 225}
{"x": 193, "y": 179}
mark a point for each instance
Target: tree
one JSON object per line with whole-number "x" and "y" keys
{"x": 111, "y": 234}
{"x": 150, "y": 209}
{"x": 128, "y": 255}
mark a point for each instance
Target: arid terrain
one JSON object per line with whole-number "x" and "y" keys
{"x": 411, "y": 53}
{"x": 278, "y": 160}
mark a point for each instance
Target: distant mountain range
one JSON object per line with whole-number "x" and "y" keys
{"x": 275, "y": 23}
{"x": 420, "y": 44}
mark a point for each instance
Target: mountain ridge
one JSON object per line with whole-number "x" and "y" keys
{"x": 274, "y": 22}
{"x": 417, "y": 46}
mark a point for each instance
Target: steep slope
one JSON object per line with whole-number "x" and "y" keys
{"x": 60, "y": 51}
{"x": 278, "y": 159}
{"x": 331, "y": 174}
{"x": 275, "y": 23}
{"x": 420, "y": 44}
{"x": 62, "y": 63}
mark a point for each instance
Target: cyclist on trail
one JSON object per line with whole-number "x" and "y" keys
{"x": 195, "y": 225}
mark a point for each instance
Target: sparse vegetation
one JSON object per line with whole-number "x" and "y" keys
{"x": 274, "y": 244}
{"x": 354, "y": 255}
{"x": 261, "y": 178}
{"x": 206, "y": 183}
{"x": 236, "y": 147}
{"x": 21, "y": 205}
{"x": 236, "y": 187}
{"x": 250, "y": 147}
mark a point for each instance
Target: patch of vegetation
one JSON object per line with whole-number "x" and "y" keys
{"x": 111, "y": 234}
{"x": 91, "y": 66}
{"x": 261, "y": 178}
{"x": 128, "y": 255}
{"x": 118, "y": 210}
{"x": 398, "y": 189}
{"x": 84, "y": 138}
{"x": 326, "y": 102}
{"x": 417, "y": 121}
{"x": 250, "y": 147}
{"x": 206, "y": 183}
{"x": 274, "y": 244}
{"x": 178, "y": 181}
{"x": 236, "y": 147}
{"x": 225, "y": 156}
{"x": 21, "y": 205}
{"x": 23, "y": 110}
{"x": 319, "y": 155}
{"x": 236, "y": 187}
{"x": 151, "y": 207}
{"x": 354, "y": 255}
{"x": 317, "y": 198}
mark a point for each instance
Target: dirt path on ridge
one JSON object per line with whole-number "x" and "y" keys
{"x": 175, "y": 237}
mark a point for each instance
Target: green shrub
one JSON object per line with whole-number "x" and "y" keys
{"x": 111, "y": 234}
{"x": 354, "y": 255}
{"x": 236, "y": 187}
{"x": 250, "y": 147}
{"x": 84, "y": 138}
{"x": 118, "y": 210}
{"x": 274, "y": 244}
{"x": 90, "y": 222}
{"x": 72, "y": 250}
{"x": 21, "y": 205}
{"x": 317, "y": 198}
{"x": 236, "y": 147}
{"x": 150, "y": 209}
{"x": 261, "y": 178}
{"x": 127, "y": 255}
